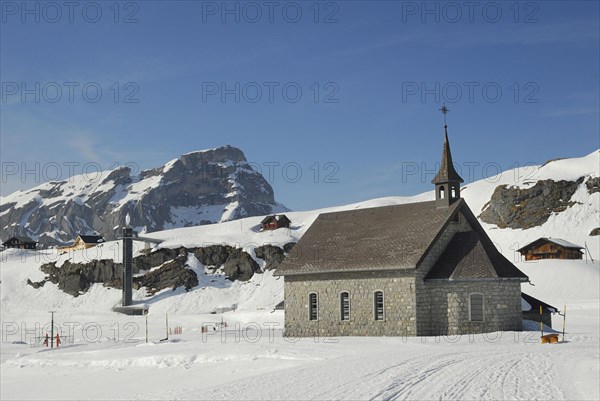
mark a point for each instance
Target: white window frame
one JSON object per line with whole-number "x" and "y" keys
{"x": 375, "y": 306}
{"x": 482, "y": 307}
{"x": 310, "y": 306}
{"x": 342, "y": 306}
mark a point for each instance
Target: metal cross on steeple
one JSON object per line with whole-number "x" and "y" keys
{"x": 444, "y": 111}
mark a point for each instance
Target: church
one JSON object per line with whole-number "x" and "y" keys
{"x": 416, "y": 269}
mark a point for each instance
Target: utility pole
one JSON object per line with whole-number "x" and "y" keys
{"x": 52, "y": 329}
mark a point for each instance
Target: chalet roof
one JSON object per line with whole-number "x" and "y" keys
{"x": 379, "y": 238}
{"x": 557, "y": 241}
{"x": 21, "y": 239}
{"x": 471, "y": 256}
{"x": 276, "y": 217}
{"x": 267, "y": 219}
{"x": 536, "y": 303}
{"x": 447, "y": 173}
{"x": 91, "y": 239}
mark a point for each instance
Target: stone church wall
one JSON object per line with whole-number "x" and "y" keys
{"x": 399, "y": 301}
{"x": 448, "y": 312}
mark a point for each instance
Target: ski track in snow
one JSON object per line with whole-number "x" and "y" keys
{"x": 455, "y": 376}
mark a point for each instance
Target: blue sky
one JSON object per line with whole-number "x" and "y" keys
{"x": 521, "y": 81}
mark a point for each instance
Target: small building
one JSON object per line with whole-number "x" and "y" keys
{"x": 274, "y": 221}
{"x": 82, "y": 242}
{"x": 19, "y": 243}
{"x": 415, "y": 269}
{"x": 551, "y": 248}
{"x": 531, "y": 310}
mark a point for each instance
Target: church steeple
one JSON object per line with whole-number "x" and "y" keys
{"x": 447, "y": 181}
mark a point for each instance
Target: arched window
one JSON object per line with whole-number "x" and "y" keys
{"x": 345, "y": 306}
{"x": 313, "y": 306}
{"x": 442, "y": 193}
{"x": 378, "y": 305}
{"x": 453, "y": 192}
{"x": 476, "y": 307}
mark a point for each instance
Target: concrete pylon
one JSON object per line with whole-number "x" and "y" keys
{"x": 127, "y": 264}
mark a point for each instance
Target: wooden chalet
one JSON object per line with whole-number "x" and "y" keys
{"x": 82, "y": 242}
{"x": 551, "y": 248}
{"x": 19, "y": 243}
{"x": 273, "y": 222}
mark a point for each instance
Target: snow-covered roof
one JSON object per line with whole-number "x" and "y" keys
{"x": 528, "y": 303}
{"x": 565, "y": 243}
{"x": 557, "y": 241}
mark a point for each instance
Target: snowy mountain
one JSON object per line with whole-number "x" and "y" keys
{"x": 202, "y": 187}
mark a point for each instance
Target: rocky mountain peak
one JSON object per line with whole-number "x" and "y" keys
{"x": 200, "y": 187}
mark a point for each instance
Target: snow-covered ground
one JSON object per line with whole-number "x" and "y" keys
{"x": 249, "y": 359}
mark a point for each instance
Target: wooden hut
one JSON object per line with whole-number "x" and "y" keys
{"x": 551, "y": 248}
{"x": 273, "y": 222}
{"x": 19, "y": 243}
{"x": 82, "y": 242}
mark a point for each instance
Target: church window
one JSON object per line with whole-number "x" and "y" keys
{"x": 313, "y": 304}
{"x": 378, "y": 307}
{"x": 476, "y": 307}
{"x": 345, "y": 306}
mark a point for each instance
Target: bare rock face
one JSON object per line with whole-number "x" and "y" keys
{"x": 213, "y": 255}
{"x": 240, "y": 266}
{"x": 272, "y": 255}
{"x": 172, "y": 274}
{"x": 595, "y": 232}
{"x": 199, "y": 188}
{"x": 514, "y": 207}
{"x": 172, "y": 269}
{"x": 593, "y": 185}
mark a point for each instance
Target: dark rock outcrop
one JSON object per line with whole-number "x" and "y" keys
{"x": 289, "y": 246}
{"x": 595, "y": 231}
{"x": 240, "y": 266}
{"x": 69, "y": 277}
{"x": 272, "y": 255}
{"x": 172, "y": 274}
{"x": 593, "y": 185}
{"x": 213, "y": 255}
{"x": 157, "y": 258}
{"x": 36, "y": 284}
{"x": 528, "y": 207}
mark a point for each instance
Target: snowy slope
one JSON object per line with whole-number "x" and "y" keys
{"x": 574, "y": 224}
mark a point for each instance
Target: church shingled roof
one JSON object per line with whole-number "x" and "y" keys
{"x": 471, "y": 256}
{"x": 379, "y": 238}
{"x": 396, "y": 238}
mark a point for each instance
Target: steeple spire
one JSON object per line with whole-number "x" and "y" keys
{"x": 447, "y": 181}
